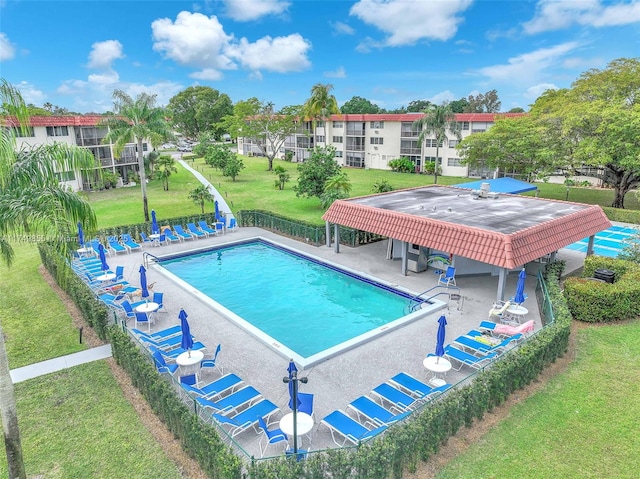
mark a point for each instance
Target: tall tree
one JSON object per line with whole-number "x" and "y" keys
{"x": 320, "y": 105}
{"x": 484, "y": 103}
{"x": 135, "y": 121}
{"x": 417, "y": 106}
{"x": 32, "y": 201}
{"x": 199, "y": 109}
{"x": 438, "y": 121}
{"x": 357, "y": 104}
{"x": 336, "y": 187}
{"x": 166, "y": 166}
{"x": 459, "y": 106}
{"x": 258, "y": 124}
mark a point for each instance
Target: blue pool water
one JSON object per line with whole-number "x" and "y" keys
{"x": 304, "y": 304}
{"x": 606, "y": 243}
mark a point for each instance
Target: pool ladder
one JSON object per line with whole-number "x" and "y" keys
{"x": 453, "y": 292}
{"x": 148, "y": 258}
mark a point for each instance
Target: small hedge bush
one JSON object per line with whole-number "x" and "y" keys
{"x": 594, "y": 301}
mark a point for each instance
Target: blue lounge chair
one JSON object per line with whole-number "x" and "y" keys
{"x": 196, "y": 232}
{"x": 146, "y": 239}
{"x": 182, "y": 233}
{"x": 114, "y": 246}
{"x": 165, "y": 344}
{"x": 205, "y": 227}
{"x": 233, "y": 401}
{"x": 222, "y": 385}
{"x": 399, "y": 400}
{"x": 128, "y": 242}
{"x": 169, "y": 236}
{"x": 480, "y": 347}
{"x": 160, "y": 335}
{"x": 174, "y": 353}
{"x": 350, "y": 429}
{"x": 464, "y": 358}
{"x": 374, "y": 412}
{"x": 273, "y": 436}
{"x": 247, "y": 418}
{"x": 415, "y": 386}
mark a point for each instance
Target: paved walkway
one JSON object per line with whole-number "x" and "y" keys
{"x": 222, "y": 204}
{"x": 56, "y": 364}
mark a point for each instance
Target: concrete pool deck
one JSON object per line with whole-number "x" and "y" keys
{"x": 338, "y": 380}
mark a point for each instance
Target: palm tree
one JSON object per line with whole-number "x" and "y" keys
{"x": 135, "y": 121}
{"x": 336, "y": 187}
{"x": 32, "y": 202}
{"x": 200, "y": 196}
{"x": 320, "y": 105}
{"x": 437, "y": 120}
{"x": 166, "y": 165}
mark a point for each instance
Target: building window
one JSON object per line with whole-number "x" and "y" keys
{"x": 338, "y": 154}
{"x": 453, "y": 143}
{"x": 320, "y": 123}
{"x": 454, "y": 162}
{"x": 376, "y": 140}
{"x": 355, "y": 160}
{"x": 338, "y": 124}
{"x": 377, "y": 125}
{"x": 319, "y": 138}
{"x": 57, "y": 131}
{"x": 432, "y": 143}
{"x": 432, "y": 159}
{"x": 337, "y": 139}
{"x": 24, "y": 132}
{"x": 478, "y": 130}
{"x": 464, "y": 125}
{"x": 66, "y": 176}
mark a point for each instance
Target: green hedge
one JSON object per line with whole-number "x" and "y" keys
{"x": 624, "y": 216}
{"x": 402, "y": 447}
{"x": 593, "y": 301}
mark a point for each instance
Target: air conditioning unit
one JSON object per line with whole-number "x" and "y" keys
{"x": 375, "y": 147}
{"x": 377, "y": 132}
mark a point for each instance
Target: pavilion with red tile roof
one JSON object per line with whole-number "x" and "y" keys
{"x": 502, "y": 230}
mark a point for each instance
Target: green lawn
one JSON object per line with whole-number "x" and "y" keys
{"x": 584, "y": 424}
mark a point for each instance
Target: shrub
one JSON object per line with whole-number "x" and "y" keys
{"x": 402, "y": 165}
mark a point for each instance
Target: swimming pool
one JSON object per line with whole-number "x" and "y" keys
{"x": 608, "y": 242}
{"x": 298, "y": 305}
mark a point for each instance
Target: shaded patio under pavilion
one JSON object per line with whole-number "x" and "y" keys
{"x": 494, "y": 233}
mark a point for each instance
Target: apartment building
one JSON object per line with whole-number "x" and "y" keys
{"x": 373, "y": 140}
{"x": 86, "y": 132}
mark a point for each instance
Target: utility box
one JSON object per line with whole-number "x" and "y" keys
{"x": 605, "y": 275}
{"x": 417, "y": 258}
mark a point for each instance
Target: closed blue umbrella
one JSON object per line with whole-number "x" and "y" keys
{"x": 80, "y": 235}
{"x": 519, "y": 297}
{"x": 187, "y": 340}
{"x": 442, "y": 322}
{"x": 217, "y": 210}
{"x": 103, "y": 258}
{"x": 143, "y": 282}
{"x": 291, "y": 369}
{"x": 154, "y": 223}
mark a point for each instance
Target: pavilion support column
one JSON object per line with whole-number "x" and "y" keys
{"x": 327, "y": 232}
{"x": 405, "y": 258}
{"x": 336, "y": 233}
{"x": 502, "y": 283}
{"x": 590, "y": 245}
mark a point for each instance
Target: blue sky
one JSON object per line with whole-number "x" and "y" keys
{"x": 75, "y": 53}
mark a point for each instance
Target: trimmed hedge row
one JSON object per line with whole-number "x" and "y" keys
{"x": 624, "y": 216}
{"x": 401, "y": 448}
{"x": 593, "y": 301}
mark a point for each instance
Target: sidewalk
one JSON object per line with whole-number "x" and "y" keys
{"x": 56, "y": 364}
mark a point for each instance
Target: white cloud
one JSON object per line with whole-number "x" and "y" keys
{"x": 280, "y": 54}
{"x": 207, "y": 74}
{"x": 247, "y": 10}
{"x": 535, "y": 91}
{"x": 528, "y": 66}
{"x": 107, "y": 78}
{"x": 341, "y": 28}
{"x": 340, "y": 72}
{"x": 30, "y": 94}
{"x": 7, "y": 50}
{"x": 442, "y": 97}
{"x": 104, "y": 53}
{"x": 406, "y": 22}
{"x": 559, "y": 14}
{"x": 193, "y": 40}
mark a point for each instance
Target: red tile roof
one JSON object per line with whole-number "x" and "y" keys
{"x": 78, "y": 120}
{"x": 508, "y": 250}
